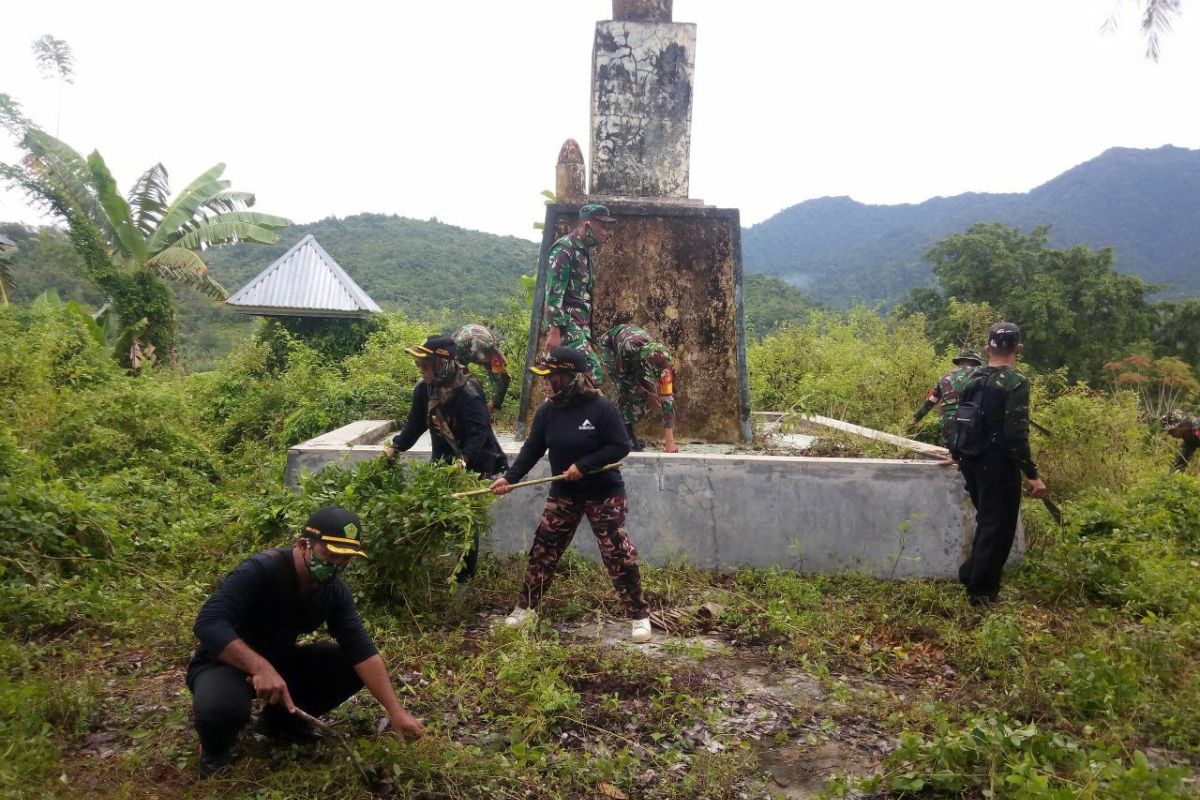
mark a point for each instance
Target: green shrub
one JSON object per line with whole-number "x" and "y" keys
{"x": 416, "y": 534}
{"x": 1003, "y": 758}
{"x": 1098, "y": 440}
{"x": 1135, "y": 552}
{"x": 852, "y": 365}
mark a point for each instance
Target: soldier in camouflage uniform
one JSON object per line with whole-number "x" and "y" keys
{"x": 945, "y": 393}
{"x": 475, "y": 344}
{"x": 583, "y": 432}
{"x": 568, "y": 312}
{"x": 993, "y": 478}
{"x": 641, "y": 369}
{"x": 1187, "y": 429}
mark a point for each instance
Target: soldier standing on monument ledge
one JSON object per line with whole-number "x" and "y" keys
{"x": 568, "y": 312}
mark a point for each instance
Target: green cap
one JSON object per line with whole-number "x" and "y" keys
{"x": 596, "y": 211}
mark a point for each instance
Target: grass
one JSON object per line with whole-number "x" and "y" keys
{"x": 901, "y": 679}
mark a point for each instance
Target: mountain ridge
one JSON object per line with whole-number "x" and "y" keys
{"x": 1145, "y": 203}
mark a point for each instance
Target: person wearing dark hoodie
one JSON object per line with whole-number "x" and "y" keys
{"x": 583, "y": 432}
{"x": 451, "y": 405}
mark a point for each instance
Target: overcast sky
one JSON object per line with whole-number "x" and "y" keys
{"x": 457, "y": 110}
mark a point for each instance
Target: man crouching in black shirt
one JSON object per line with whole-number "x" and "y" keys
{"x": 583, "y": 432}
{"x": 248, "y": 630}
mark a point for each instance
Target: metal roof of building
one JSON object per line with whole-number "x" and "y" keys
{"x": 304, "y": 282}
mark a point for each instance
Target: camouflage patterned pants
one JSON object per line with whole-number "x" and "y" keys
{"x": 632, "y": 404}
{"x": 554, "y": 535}
{"x": 574, "y": 336}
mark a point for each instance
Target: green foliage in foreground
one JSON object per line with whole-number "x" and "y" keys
{"x": 1016, "y": 760}
{"x": 126, "y": 498}
{"x": 416, "y": 533}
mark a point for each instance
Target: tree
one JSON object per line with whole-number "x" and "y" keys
{"x": 1075, "y": 310}
{"x": 1157, "y": 18}
{"x": 54, "y": 58}
{"x": 130, "y": 244}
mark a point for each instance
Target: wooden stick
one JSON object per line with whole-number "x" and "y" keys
{"x": 535, "y": 481}
{"x": 342, "y": 740}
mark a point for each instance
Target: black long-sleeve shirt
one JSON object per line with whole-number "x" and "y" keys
{"x": 589, "y": 433}
{"x": 467, "y": 413}
{"x": 262, "y": 604}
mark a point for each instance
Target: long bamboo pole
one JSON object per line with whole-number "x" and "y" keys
{"x": 535, "y": 481}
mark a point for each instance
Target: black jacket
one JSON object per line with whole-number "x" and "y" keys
{"x": 468, "y": 415}
{"x": 261, "y": 603}
{"x": 589, "y": 433}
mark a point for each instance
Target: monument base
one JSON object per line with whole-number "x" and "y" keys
{"x": 674, "y": 269}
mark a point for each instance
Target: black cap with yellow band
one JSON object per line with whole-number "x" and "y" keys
{"x": 338, "y": 529}
{"x": 434, "y": 346}
{"x": 561, "y": 359}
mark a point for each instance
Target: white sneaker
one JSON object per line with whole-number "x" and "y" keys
{"x": 519, "y": 615}
{"x": 641, "y": 631}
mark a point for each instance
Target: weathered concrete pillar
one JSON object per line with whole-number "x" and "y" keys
{"x": 642, "y": 105}
{"x": 642, "y": 10}
{"x": 673, "y": 265}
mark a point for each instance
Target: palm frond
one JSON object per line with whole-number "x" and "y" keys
{"x": 129, "y": 240}
{"x": 1157, "y": 16}
{"x": 85, "y": 237}
{"x": 225, "y": 203}
{"x": 185, "y": 266}
{"x": 55, "y": 163}
{"x": 186, "y": 204}
{"x": 148, "y": 199}
{"x": 230, "y": 201}
{"x": 238, "y": 226}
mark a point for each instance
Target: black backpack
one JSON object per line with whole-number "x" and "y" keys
{"x": 966, "y": 433}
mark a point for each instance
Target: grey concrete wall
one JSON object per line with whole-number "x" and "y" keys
{"x": 902, "y": 519}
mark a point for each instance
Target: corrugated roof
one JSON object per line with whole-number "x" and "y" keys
{"x": 305, "y": 282}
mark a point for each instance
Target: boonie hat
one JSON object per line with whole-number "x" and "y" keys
{"x": 434, "y": 346}
{"x": 967, "y": 354}
{"x": 1004, "y": 335}
{"x": 1172, "y": 419}
{"x": 596, "y": 211}
{"x": 561, "y": 359}
{"x": 338, "y": 529}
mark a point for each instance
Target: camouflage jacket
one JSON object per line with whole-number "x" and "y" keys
{"x": 1191, "y": 443}
{"x": 946, "y": 392}
{"x": 475, "y": 344}
{"x": 569, "y": 280}
{"x": 639, "y": 365}
{"x": 1006, "y": 413}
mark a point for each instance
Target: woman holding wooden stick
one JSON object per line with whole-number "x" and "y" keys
{"x": 584, "y": 433}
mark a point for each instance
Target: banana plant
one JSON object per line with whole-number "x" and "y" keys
{"x": 125, "y": 238}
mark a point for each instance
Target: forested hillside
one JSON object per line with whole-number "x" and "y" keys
{"x": 1144, "y": 203}
{"x": 405, "y": 264}
{"x": 420, "y": 268}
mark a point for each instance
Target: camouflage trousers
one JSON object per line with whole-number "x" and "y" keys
{"x": 559, "y": 521}
{"x": 577, "y": 337}
{"x": 632, "y": 405}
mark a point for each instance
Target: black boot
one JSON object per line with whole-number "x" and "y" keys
{"x": 211, "y": 763}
